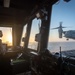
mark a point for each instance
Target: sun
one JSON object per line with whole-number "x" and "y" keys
{"x": 9, "y": 39}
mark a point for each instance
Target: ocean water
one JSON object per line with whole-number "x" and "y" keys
{"x": 65, "y": 46}
{"x": 55, "y": 46}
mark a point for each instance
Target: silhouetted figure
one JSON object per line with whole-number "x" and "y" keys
{"x": 5, "y": 63}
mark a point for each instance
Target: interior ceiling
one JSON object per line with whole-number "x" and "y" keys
{"x": 20, "y": 10}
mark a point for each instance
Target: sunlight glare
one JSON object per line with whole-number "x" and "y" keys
{"x": 10, "y": 39}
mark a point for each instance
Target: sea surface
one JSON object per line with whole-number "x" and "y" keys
{"x": 65, "y": 46}
{"x": 55, "y": 46}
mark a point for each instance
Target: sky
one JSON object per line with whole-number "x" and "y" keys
{"x": 7, "y": 35}
{"x": 61, "y": 12}
{"x": 65, "y": 13}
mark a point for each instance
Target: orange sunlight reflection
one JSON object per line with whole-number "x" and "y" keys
{"x": 7, "y": 35}
{"x": 9, "y": 39}
{"x": 31, "y": 39}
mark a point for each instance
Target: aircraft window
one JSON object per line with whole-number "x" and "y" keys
{"x": 62, "y": 22}
{"x": 34, "y": 30}
{"x": 7, "y": 35}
